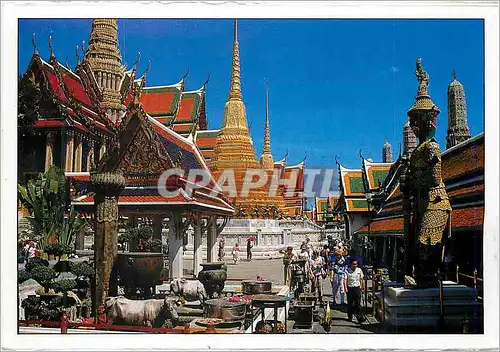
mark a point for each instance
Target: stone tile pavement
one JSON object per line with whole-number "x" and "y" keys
{"x": 273, "y": 270}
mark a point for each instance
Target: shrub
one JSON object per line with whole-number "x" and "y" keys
{"x": 43, "y": 275}
{"x": 64, "y": 285}
{"x": 83, "y": 269}
{"x": 22, "y": 276}
{"x": 37, "y": 261}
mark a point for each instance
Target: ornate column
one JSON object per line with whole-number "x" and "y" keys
{"x": 70, "y": 135}
{"x": 107, "y": 188}
{"x": 49, "y": 148}
{"x": 197, "y": 254}
{"x": 102, "y": 151}
{"x": 212, "y": 239}
{"x": 78, "y": 153}
{"x": 175, "y": 236}
{"x": 90, "y": 155}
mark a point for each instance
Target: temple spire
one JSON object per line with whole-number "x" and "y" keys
{"x": 266, "y": 159}
{"x": 458, "y": 128}
{"x": 235, "y": 87}
{"x": 104, "y": 58}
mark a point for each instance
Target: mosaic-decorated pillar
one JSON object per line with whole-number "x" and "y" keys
{"x": 49, "y": 148}
{"x": 107, "y": 188}
{"x": 69, "y": 151}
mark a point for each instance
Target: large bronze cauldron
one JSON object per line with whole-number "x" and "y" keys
{"x": 225, "y": 310}
{"x": 213, "y": 277}
{"x": 139, "y": 270}
{"x": 251, "y": 287}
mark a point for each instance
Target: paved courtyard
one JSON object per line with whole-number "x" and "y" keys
{"x": 273, "y": 270}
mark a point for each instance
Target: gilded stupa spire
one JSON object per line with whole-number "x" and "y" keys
{"x": 104, "y": 58}
{"x": 235, "y": 88}
{"x": 234, "y": 147}
{"x": 266, "y": 159}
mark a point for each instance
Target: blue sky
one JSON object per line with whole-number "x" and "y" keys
{"x": 336, "y": 86}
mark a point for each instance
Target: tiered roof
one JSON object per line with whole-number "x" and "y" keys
{"x": 146, "y": 149}
{"x": 76, "y": 93}
{"x": 353, "y": 192}
{"x": 463, "y": 174}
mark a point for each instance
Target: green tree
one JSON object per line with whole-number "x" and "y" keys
{"x": 52, "y": 216}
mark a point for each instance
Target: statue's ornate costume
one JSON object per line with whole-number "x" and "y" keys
{"x": 427, "y": 206}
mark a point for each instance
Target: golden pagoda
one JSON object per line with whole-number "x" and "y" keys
{"x": 266, "y": 158}
{"x": 234, "y": 149}
{"x": 104, "y": 58}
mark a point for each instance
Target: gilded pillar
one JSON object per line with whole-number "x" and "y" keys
{"x": 102, "y": 151}
{"x": 78, "y": 154}
{"x": 70, "y": 146}
{"x": 49, "y": 148}
{"x": 90, "y": 155}
{"x": 107, "y": 188}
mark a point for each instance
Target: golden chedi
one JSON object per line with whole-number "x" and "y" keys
{"x": 234, "y": 151}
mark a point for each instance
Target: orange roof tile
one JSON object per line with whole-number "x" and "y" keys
{"x": 160, "y": 101}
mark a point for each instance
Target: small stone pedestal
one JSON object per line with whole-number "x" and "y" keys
{"x": 414, "y": 307}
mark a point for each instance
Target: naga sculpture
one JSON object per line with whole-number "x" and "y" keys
{"x": 428, "y": 209}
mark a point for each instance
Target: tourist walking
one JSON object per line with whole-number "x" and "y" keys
{"x": 324, "y": 254}
{"x": 353, "y": 285}
{"x": 249, "y": 250}
{"x": 222, "y": 243}
{"x": 236, "y": 253}
{"x": 337, "y": 277}
{"x": 317, "y": 274}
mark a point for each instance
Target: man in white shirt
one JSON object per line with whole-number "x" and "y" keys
{"x": 354, "y": 285}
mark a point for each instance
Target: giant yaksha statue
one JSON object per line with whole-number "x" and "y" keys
{"x": 427, "y": 206}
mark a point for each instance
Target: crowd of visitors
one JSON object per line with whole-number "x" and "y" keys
{"x": 332, "y": 262}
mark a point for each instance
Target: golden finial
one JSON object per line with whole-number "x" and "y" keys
{"x": 267, "y": 138}
{"x": 33, "y": 41}
{"x": 186, "y": 74}
{"x": 147, "y": 69}
{"x": 50, "y": 45}
{"x": 77, "y": 52}
{"x": 206, "y": 81}
{"x": 235, "y": 88}
{"x": 137, "y": 60}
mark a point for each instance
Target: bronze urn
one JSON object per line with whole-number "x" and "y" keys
{"x": 213, "y": 277}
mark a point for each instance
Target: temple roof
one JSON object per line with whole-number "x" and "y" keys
{"x": 375, "y": 174}
{"x": 352, "y": 182}
{"x": 161, "y": 101}
{"x": 77, "y": 96}
{"x": 146, "y": 149}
